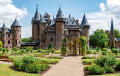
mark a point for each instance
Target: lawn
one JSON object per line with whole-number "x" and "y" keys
{"x": 118, "y": 74}
{"x": 6, "y": 71}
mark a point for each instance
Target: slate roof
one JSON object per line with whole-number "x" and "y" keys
{"x": 4, "y": 27}
{"x": 7, "y": 29}
{"x": 59, "y": 14}
{"x": 29, "y": 43}
{"x": 36, "y": 17}
{"x": 112, "y": 26}
{"x": 43, "y": 20}
{"x": 15, "y": 23}
{"x": 84, "y": 21}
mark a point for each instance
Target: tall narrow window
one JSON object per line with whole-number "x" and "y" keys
{"x": 8, "y": 41}
{"x": 16, "y": 41}
{"x": 8, "y": 35}
{"x": 51, "y": 39}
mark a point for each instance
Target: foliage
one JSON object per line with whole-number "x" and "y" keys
{"x": 55, "y": 57}
{"x": 70, "y": 45}
{"x": 95, "y": 69}
{"x": 29, "y": 64}
{"x": 50, "y": 46}
{"x": 75, "y": 46}
{"x": 27, "y": 39}
{"x": 105, "y": 49}
{"x": 112, "y": 45}
{"x": 15, "y": 49}
{"x": 99, "y": 39}
{"x": 29, "y": 49}
{"x": 117, "y": 33}
{"x": 88, "y": 61}
{"x": 49, "y": 61}
{"x": 109, "y": 69}
{"x": 117, "y": 65}
{"x": 115, "y": 51}
{"x": 64, "y": 46}
{"x": 87, "y": 57}
{"x": 1, "y": 44}
{"x": 88, "y": 52}
{"x": 104, "y": 52}
{"x": 103, "y": 61}
{"x": 83, "y": 43}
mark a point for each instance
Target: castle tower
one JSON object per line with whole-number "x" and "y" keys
{"x": 4, "y": 35}
{"x": 85, "y": 28}
{"x": 16, "y": 28}
{"x": 35, "y": 25}
{"x": 42, "y": 36}
{"x": 60, "y": 24}
{"x": 112, "y": 33}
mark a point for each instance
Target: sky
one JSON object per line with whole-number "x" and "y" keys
{"x": 98, "y": 12}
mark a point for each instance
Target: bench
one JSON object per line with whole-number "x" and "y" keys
{"x": 5, "y": 58}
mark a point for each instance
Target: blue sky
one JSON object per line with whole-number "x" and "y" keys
{"x": 98, "y": 12}
{"x": 74, "y": 7}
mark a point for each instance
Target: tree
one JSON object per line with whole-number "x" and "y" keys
{"x": 83, "y": 43}
{"x": 52, "y": 51}
{"x": 64, "y": 46}
{"x": 29, "y": 39}
{"x": 1, "y": 44}
{"x": 50, "y": 46}
{"x": 75, "y": 46}
{"x": 112, "y": 45}
{"x": 117, "y": 34}
{"x": 99, "y": 39}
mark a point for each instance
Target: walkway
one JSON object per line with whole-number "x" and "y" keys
{"x": 69, "y": 66}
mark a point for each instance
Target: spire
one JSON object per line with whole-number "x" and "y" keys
{"x": 53, "y": 17}
{"x": 112, "y": 26}
{"x": 59, "y": 14}
{"x": 3, "y": 27}
{"x": 84, "y": 21}
{"x": 36, "y": 17}
{"x": 15, "y": 23}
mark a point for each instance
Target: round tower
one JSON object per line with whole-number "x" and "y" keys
{"x": 85, "y": 28}
{"x": 60, "y": 24}
{"x": 16, "y": 29}
{"x": 4, "y": 36}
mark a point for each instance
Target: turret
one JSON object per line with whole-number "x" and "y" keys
{"x": 16, "y": 29}
{"x": 112, "y": 33}
{"x": 60, "y": 24}
{"x": 35, "y": 25}
{"x": 4, "y": 35}
{"x": 85, "y": 28}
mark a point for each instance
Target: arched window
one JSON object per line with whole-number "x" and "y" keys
{"x": 8, "y": 41}
{"x": 16, "y": 41}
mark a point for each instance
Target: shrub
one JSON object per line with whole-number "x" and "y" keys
{"x": 88, "y": 61}
{"x": 86, "y": 68}
{"x": 87, "y": 57}
{"x": 118, "y": 55}
{"x": 89, "y": 52}
{"x": 106, "y": 61}
{"x": 117, "y": 65}
{"x": 95, "y": 69}
{"x": 104, "y": 53}
{"x": 55, "y": 57}
{"x": 43, "y": 67}
{"x": 17, "y": 64}
{"x": 105, "y": 49}
{"x": 109, "y": 69}
{"x": 115, "y": 51}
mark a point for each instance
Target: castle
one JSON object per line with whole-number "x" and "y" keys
{"x": 11, "y": 37}
{"x": 45, "y": 30}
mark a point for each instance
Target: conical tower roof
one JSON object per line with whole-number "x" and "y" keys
{"x": 15, "y": 23}
{"x": 4, "y": 27}
{"x": 112, "y": 25}
{"x": 59, "y": 14}
{"x": 84, "y": 21}
{"x": 36, "y": 17}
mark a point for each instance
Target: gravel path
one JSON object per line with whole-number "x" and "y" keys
{"x": 2, "y": 62}
{"x": 69, "y": 66}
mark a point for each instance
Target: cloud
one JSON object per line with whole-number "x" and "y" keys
{"x": 8, "y": 12}
{"x": 26, "y": 31}
{"x": 102, "y": 19}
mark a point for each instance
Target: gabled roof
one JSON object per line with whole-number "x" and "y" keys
{"x": 59, "y": 14}
{"x": 15, "y": 23}
{"x": 112, "y": 26}
{"x": 4, "y": 27}
{"x": 36, "y": 17}
{"x": 84, "y": 21}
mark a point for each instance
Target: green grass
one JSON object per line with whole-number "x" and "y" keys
{"x": 118, "y": 74}
{"x": 6, "y": 71}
